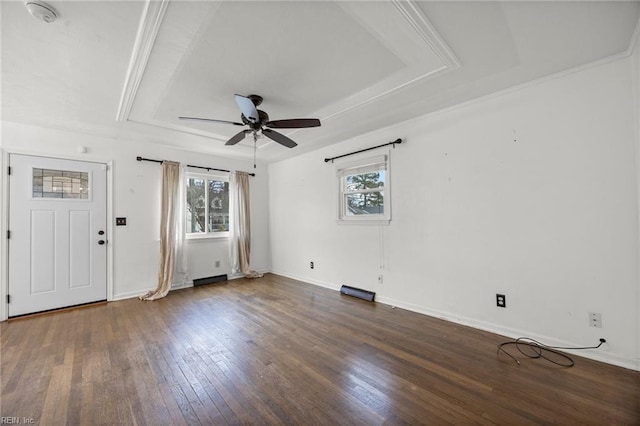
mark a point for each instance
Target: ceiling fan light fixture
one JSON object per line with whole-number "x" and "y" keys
{"x": 42, "y": 11}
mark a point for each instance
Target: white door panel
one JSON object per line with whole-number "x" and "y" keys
{"x": 42, "y": 256}
{"x": 79, "y": 249}
{"x": 57, "y": 209}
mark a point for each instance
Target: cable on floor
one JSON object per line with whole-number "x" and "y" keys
{"x": 533, "y": 349}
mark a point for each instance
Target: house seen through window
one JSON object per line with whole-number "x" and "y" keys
{"x": 364, "y": 193}
{"x": 207, "y": 206}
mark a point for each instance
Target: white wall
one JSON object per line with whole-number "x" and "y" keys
{"x": 136, "y": 196}
{"x": 531, "y": 193}
{"x": 635, "y": 58}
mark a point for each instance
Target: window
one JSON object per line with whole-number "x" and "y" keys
{"x": 365, "y": 191}
{"x": 207, "y": 206}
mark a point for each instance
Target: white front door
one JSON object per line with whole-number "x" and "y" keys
{"x": 57, "y": 225}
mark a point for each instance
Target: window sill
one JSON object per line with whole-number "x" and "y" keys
{"x": 363, "y": 221}
{"x": 207, "y": 237}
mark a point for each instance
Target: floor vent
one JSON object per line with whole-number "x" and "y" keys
{"x": 209, "y": 280}
{"x": 358, "y": 292}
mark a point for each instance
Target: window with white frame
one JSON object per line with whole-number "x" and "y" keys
{"x": 207, "y": 206}
{"x": 365, "y": 192}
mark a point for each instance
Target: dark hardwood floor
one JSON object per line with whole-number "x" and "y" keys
{"x": 278, "y": 351}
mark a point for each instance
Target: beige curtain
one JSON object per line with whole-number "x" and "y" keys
{"x": 170, "y": 191}
{"x": 240, "y": 227}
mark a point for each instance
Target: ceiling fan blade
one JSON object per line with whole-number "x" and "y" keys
{"x": 248, "y": 108}
{"x": 279, "y": 137}
{"x": 211, "y": 120}
{"x": 237, "y": 137}
{"x": 294, "y": 123}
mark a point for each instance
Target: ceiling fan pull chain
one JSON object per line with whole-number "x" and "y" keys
{"x": 255, "y": 143}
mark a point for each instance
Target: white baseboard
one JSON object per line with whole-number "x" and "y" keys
{"x": 324, "y": 284}
{"x": 178, "y": 286}
{"x": 130, "y": 294}
{"x": 138, "y": 293}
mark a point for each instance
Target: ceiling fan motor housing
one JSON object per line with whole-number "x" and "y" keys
{"x": 256, "y": 99}
{"x": 263, "y": 117}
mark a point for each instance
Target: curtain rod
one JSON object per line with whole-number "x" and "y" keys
{"x": 189, "y": 165}
{"x": 397, "y": 141}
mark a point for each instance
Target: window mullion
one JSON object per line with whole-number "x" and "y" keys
{"x": 364, "y": 191}
{"x": 206, "y": 206}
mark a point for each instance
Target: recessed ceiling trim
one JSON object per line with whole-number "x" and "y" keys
{"x": 427, "y": 32}
{"x": 635, "y": 39}
{"x": 385, "y": 93}
{"x": 152, "y": 16}
{"x": 416, "y": 72}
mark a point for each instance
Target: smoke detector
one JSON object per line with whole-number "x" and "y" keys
{"x": 41, "y": 10}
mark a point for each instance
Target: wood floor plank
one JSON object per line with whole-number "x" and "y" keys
{"x": 279, "y": 351}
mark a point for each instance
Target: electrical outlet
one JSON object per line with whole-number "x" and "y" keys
{"x": 379, "y": 279}
{"x": 217, "y": 263}
{"x": 501, "y": 300}
{"x": 595, "y": 319}
{"x": 311, "y": 265}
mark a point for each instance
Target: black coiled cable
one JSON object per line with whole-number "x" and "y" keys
{"x": 533, "y": 349}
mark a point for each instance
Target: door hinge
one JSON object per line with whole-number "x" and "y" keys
{"x": 9, "y": 170}
{"x": 8, "y": 298}
{"x": 8, "y": 235}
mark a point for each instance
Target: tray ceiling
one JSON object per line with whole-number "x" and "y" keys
{"x": 129, "y": 69}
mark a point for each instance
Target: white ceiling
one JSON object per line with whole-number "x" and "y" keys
{"x": 129, "y": 69}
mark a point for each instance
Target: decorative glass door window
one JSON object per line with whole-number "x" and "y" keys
{"x": 60, "y": 184}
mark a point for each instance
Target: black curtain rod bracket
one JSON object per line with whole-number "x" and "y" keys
{"x": 190, "y": 165}
{"x": 397, "y": 141}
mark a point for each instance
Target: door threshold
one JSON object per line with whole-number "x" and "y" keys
{"x": 57, "y": 310}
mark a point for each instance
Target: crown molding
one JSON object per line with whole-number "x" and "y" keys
{"x": 635, "y": 40}
{"x": 479, "y": 100}
{"x": 416, "y": 19}
{"x": 152, "y": 16}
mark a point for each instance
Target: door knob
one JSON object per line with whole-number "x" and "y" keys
{"x": 101, "y": 242}
{"x": 100, "y": 232}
